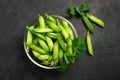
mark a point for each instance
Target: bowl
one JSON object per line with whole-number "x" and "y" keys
{"x": 31, "y": 56}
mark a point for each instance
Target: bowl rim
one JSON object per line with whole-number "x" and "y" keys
{"x": 38, "y": 64}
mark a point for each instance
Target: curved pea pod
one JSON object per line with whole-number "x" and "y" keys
{"x": 41, "y": 36}
{"x": 43, "y": 44}
{"x": 49, "y": 42}
{"x": 53, "y": 26}
{"x": 61, "y": 56}
{"x": 89, "y": 44}
{"x": 50, "y": 18}
{"x": 52, "y": 35}
{"x": 61, "y": 42}
{"x": 65, "y": 25}
{"x": 55, "y": 51}
{"x": 29, "y": 39}
{"x": 42, "y": 30}
{"x": 64, "y": 33}
{"x": 88, "y": 24}
{"x": 36, "y": 48}
{"x": 96, "y": 20}
{"x": 40, "y": 57}
{"x": 41, "y": 21}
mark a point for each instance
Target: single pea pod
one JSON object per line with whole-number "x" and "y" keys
{"x": 29, "y": 39}
{"x": 40, "y": 56}
{"x": 64, "y": 33}
{"x": 43, "y": 44}
{"x": 52, "y": 35}
{"x": 42, "y": 30}
{"x": 61, "y": 56}
{"x": 41, "y": 21}
{"x": 49, "y": 42}
{"x": 65, "y": 25}
{"x": 53, "y": 26}
{"x": 50, "y": 18}
{"x": 61, "y": 42}
{"x": 89, "y": 44}
{"x": 88, "y": 23}
{"x": 55, "y": 51}
{"x": 96, "y": 20}
{"x": 36, "y": 48}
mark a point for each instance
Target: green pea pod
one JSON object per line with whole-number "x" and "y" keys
{"x": 49, "y": 42}
{"x": 89, "y": 44}
{"x": 65, "y": 25}
{"x": 64, "y": 33}
{"x": 36, "y": 48}
{"x": 43, "y": 44}
{"x": 61, "y": 56}
{"x": 42, "y": 30}
{"x": 55, "y": 51}
{"x": 50, "y": 18}
{"x": 53, "y": 26}
{"x": 29, "y": 37}
{"x": 88, "y": 23}
{"x": 41, "y": 22}
{"x": 96, "y": 20}
{"x": 40, "y": 57}
{"x": 52, "y": 35}
{"x": 61, "y": 42}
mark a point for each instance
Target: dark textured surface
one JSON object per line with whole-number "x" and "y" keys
{"x": 16, "y": 14}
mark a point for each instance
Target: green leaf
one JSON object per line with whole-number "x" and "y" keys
{"x": 63, "y": 67}
{"x": 79, "y": 46}
{"x": 85, "y": 7}
{"x": 72, "y": 10}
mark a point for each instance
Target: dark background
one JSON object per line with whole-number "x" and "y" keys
{"x": 15, "y": 65}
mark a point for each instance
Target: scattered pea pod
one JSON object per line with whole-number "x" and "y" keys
{"x": 96, "y": 20}
{"x": 89, "y": 44}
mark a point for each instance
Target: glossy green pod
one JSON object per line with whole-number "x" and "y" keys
{"x": 96, "y": 20}
{"x": 36, "y": 48}
{"x": 89, "y": 44}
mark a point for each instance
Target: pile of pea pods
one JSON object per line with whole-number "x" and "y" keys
{"x": 50, "y": 41}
